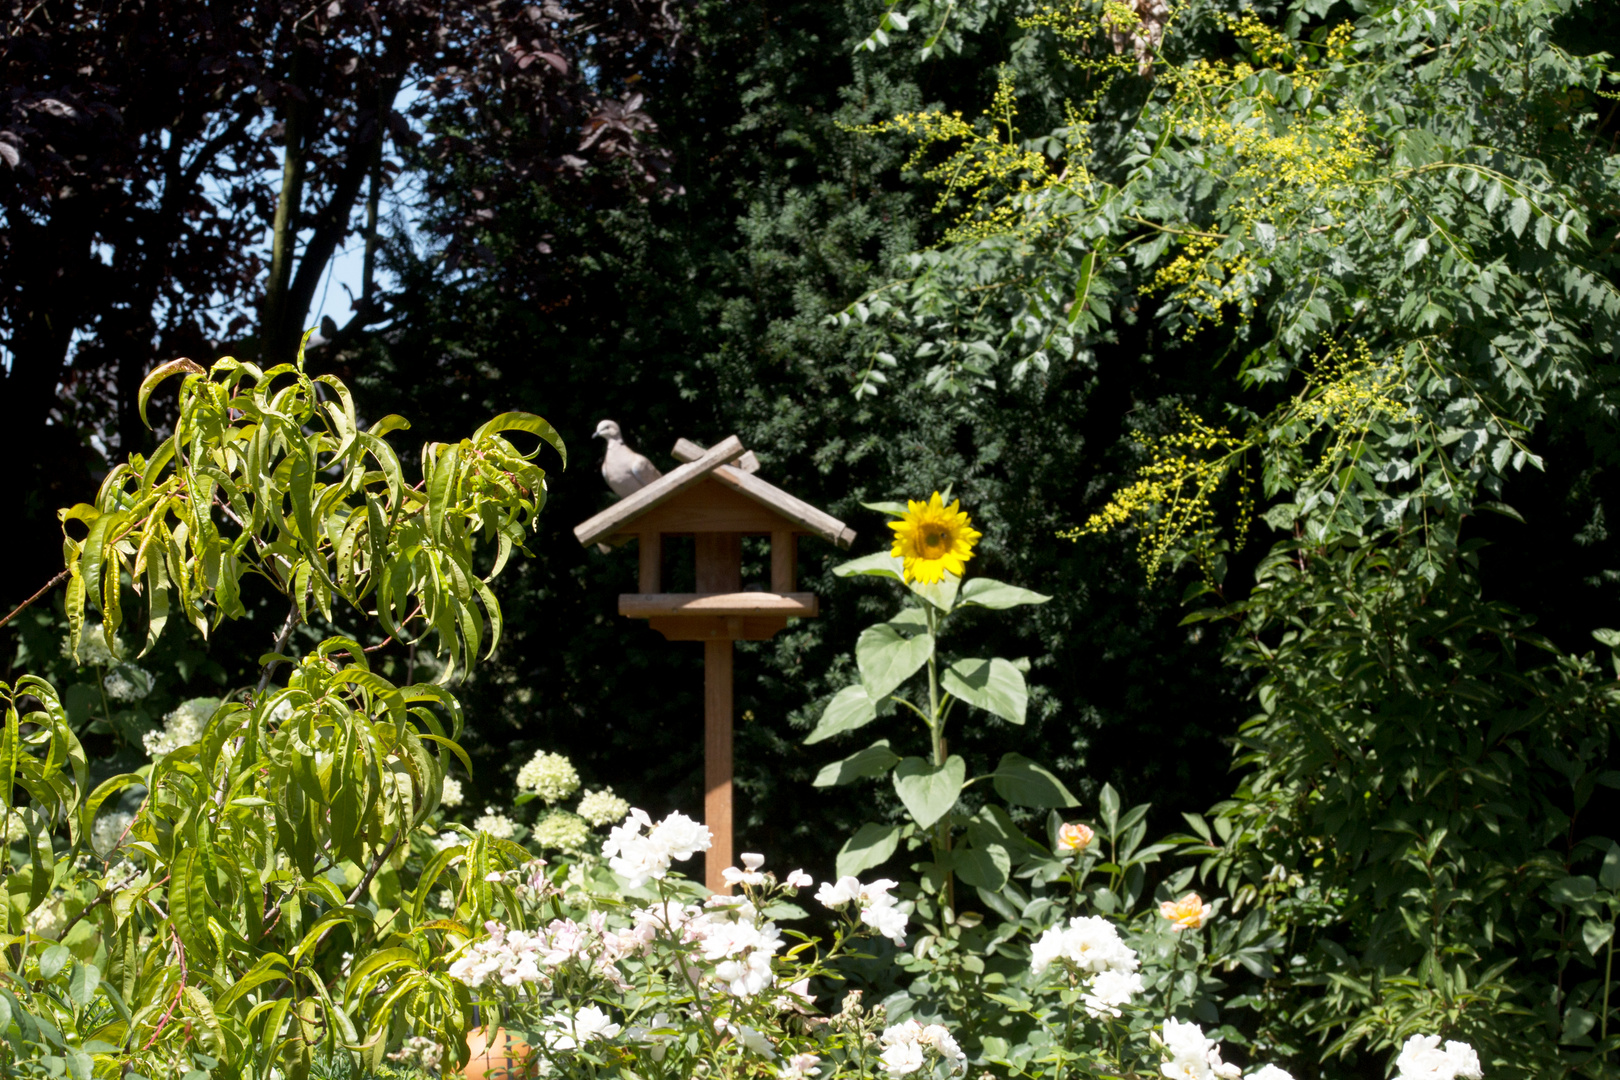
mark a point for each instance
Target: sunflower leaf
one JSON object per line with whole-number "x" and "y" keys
{"x": 878, "y": 564}
{"x": 873, "y": 761}
{"x": 870, "y": 846}
{"x": 888, "y": 658}
{"x": 849, "y": 709}
{"x": 1023, "y": 783}
{"x": 898, "y": 509}
{"x": 995, "y": 686}
{"x": 929, "y": 791}
{"x": 942, "y": 594}
{"x": 998, "y": 595}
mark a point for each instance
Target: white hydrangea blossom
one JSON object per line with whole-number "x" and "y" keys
{"x": 47, "y": 920}
{"x": 550, "y": 776}
{"x": 496, "y": 824}
{"x": 108, "y": 829}
{"x": 602, "y": 807}
{"x": 561, "y": 831}
{"x": 639, "y": 858}
{"x": 450, "y": 794}
{"x": 127, "y": 683}
{"x": 16, "y": 827}
{"x": 93, "y": 650}
{"x": 1422, "y": 1058}
{"x": 182, "y": 727}
{"x": 449, "y": 838}
{"x": 907, "y": 1046}
{"x": 878, "y": 909}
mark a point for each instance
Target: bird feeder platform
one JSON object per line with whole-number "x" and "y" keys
{"x": 715, "y": 498}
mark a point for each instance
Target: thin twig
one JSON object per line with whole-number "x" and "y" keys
{"x": 281, "y": 643}
{"x": 22, "y": 607}
{"x": 376, "y": 865}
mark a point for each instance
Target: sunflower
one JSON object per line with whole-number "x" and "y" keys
{"x": 934, "y": 539}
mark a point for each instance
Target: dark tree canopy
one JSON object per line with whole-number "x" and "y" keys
{"x": 150, "y": 149}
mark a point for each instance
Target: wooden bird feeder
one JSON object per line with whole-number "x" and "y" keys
{"x": 715, "y": 498}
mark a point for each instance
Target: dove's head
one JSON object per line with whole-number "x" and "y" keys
{"x": 608, "y": 430}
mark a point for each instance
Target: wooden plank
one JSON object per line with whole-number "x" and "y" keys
{"x": 651, "y": 561}
{"x": 687, "y": 450}
{"x": 718, "y": 627}
{"x": 717, "y": 706}
{"x": 711, "y": 507}
{"x": 616, "y": 517}
{"x": 647, "y": 605}
{"x": 784, "y": 561}
{"x": 795, "y": 510}
{"x": 719, "y": 562}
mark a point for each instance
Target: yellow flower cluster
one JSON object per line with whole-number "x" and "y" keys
{"x": 1347, "y": 390}
{"x": 1171, "y": 503}
{"x": 1346, "y": 393}
{"x": 987, "y": 168}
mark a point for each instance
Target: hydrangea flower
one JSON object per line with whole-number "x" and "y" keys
{"x": 602, "y": 807}
{"x": 93, "y": 648}
{"x": 108, "y": 830}
{"x": 550, "y": 776}
{"x": 126, "y": 682}
{"x": 183, "y": 726}
{"x": 450, "y": 794}
{"x": 496, "y": 824}
{"x": 561, "y": 831}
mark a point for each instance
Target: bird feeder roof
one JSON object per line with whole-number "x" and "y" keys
{"x": 711, "y": 486}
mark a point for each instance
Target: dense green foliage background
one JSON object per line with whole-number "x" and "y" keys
{"x": 706, "y": 313}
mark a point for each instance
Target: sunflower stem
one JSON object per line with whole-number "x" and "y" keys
{"x": 936, "y": 727}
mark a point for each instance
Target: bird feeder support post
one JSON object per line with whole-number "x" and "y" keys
{"x": 719, "y": 570}
{"x": 717, "y": 760}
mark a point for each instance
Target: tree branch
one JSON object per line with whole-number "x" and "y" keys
{"x": 281, "y": 643}
{"x": 22, "y": 607}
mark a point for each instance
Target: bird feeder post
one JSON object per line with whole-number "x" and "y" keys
{"x": 715, "y": 498}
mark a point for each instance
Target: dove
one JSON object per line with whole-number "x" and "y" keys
{"x": 623, "y": 469}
